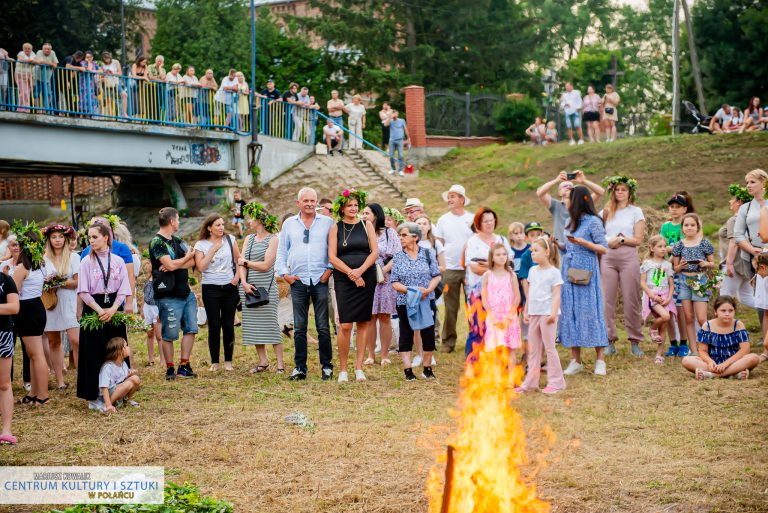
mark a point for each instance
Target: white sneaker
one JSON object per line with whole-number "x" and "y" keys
{"x": 581, "y": 141}
{"x": 573, "y": 368}
{"x": 600, "y": 368}
{"x": 416, "y": 361}
{"x": 360, "y": 376}
{"x": 571, "y": 142}
{"x": 343, "y": 377}
{"x": 544, "y": 143}
{"x": 391, "y": 171}
{"x": 400, "y": 173}
{"x": 28, "y": 386}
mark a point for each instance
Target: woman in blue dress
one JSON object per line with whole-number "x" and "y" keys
{"x": 582, "y": 321}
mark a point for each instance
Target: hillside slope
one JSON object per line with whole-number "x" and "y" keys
{"x": 505, "y": 177}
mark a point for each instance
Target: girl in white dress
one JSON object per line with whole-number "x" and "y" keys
{"x": 60, "y": 262}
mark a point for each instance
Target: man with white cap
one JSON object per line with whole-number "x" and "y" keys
{"x": 413, "y": 209}
{"x": 453, "y": 229}
{"x": 559, "y": 207}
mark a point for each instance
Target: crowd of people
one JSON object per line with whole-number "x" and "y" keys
{"x": 730, "y": 119}
{"x": 374, "y": 275}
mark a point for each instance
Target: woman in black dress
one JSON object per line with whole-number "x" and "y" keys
{"x": 352, "y": 251}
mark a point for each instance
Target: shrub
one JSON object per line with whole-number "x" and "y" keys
{"x": 661, "y": 124}
{"x": 514, "y": 116}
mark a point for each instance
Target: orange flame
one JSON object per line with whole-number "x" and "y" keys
{"x": 489, "y": 448}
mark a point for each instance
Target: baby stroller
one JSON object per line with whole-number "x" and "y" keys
{"x": 702, "y": 121}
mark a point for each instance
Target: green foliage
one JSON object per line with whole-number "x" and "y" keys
{"x": 133, "y": 322}
{"x": 255, "y": 174}
{"x": 529, "y": 184}
{"x": 178, "y": 499}
{"x": 192, "y": 280}
{"x": 710, "y": 229}
{"x": 661, "y": 124}
{"x": 589, "y": 68}
{"x": 514, "y": 116}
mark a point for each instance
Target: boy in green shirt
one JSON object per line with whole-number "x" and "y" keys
{"x": 679, "y": 205}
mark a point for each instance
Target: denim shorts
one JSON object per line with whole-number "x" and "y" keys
{"x": 171, "y": 308}
{"x": 685, "y": 293}
{"x": 573, "y": 120}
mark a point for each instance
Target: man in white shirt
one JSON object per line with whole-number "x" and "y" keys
{"x": 721, "y": 117}
{"x": 332, "y": 136}
{"x": 453, "y": 230}
{"x": 571, "y": 104}
{"x": 226, "y": 96}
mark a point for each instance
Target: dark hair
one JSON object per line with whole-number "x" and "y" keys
{"x": 24, "y": 258}
{"x": 751, "y": 108}
{"x": 721, "y": 300}
{"x": 204, "y": 233}
{"x": 478, "y": 220}
{"x": 104, "y": 231}
{"x": 381, "y": 219}
{"x": 688, "y": 199}
{"x": 139, "y": 59}
{"x": 166, "y": 215}
{"x": 581, "y": 205}
{"x": 325, "y": 201}
{"x": 78, "y": 55}
{"x": 114, "y": 348}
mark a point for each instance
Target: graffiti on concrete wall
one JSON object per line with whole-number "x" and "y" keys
{"x": 200, "y": 154}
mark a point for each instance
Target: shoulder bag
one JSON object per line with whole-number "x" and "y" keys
{"x": 163, "y": 283}
{"x": 441, "y": 285}
{"x": 380, "y": 278}
{"x": 260, "y": 295}
{"x": 745, "y": 266}
{"x": 579, "y": 276}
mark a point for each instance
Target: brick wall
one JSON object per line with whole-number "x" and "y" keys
{"x": 51, "y": 188}
{"x": 414, "y": 113}
{"x": 444, "y": 141}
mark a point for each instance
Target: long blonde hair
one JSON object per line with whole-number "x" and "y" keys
{"x": 612, "y": 206}
{"x": 507, "y": 266}
{"x": 61, "y": 263}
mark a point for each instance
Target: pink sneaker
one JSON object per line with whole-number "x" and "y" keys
{"x": 550, "y": 390}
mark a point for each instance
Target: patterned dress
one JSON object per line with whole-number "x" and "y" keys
{"x": 722, "y": 346}
{"x": 384, "y": 296}
{"x": 501, "y": 294}
{"x": 582, "y": 321}
{"x": 260, "y": 324}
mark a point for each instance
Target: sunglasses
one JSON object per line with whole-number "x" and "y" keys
{"x": 306, "y": 236}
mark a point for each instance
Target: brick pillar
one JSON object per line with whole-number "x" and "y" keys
{"x": 414, "y": 111}
{"x": 56, "y": 184}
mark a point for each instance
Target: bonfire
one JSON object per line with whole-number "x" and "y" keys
{"x": 486, "y": 454}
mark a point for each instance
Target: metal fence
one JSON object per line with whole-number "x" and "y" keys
{"x": 449, "y": 113}
{"x": 41, "y": 89}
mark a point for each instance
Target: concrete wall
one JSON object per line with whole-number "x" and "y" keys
{"x": 279, "y": 155}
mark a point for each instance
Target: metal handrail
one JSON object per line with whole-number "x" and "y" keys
{"x": 352, "y": 134}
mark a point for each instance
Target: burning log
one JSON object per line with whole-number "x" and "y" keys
{"x": 449, "y": 464}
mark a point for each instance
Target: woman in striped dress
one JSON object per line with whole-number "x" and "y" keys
{"x": 257, "y": 269}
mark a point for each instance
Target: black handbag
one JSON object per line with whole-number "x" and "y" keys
{"x": 260, "y": 296}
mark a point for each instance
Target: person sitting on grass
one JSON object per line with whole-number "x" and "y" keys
{"x": 736, "y": 122}
{"x": 723, "y": 346}
{"x": 550, "y": 134}
{"x": 117, "y": 383}
{"x": 535, "y": 132}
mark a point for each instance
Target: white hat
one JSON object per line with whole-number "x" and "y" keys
{"x": 413, "y": 202}
{"x": 458, "y": 189}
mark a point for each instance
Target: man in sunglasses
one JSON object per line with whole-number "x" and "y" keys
{"x": 302, "y": 260}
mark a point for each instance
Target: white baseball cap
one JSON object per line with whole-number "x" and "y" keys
{"x": 458, "y": 189}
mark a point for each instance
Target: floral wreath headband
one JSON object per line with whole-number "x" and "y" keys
{"x": 394, "y": 214}
{"x": 611, "y": 182}
{"x": 34, "y": 249}
{"x": 739, "y": 192}
{"x": 112, "y": 219}
{"x": 258, "y": 212}
{"x": 344, "y": 197}
{"x": 68, "y": 231}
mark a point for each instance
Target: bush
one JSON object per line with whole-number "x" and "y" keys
{"x": 661, "y": 124}
{"x": 514, "y": 116}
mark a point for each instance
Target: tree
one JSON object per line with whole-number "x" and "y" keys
{"x": 69, "y": 25}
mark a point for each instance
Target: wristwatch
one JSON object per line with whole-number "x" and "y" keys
{"x": 621, "y": 240}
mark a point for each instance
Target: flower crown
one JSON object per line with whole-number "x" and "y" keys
{"x": 34, "y": 249}
{"x": 112, "y": 219}
{"x": 344, "y": 197}
{"x": 739, "y": 192}
{"x": 611, "y": 182}
{"x": 68, "y": 231}
{"x": 258, "y": 212}
{"x": 394, "y": 214}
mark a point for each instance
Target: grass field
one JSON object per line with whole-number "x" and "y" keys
{"x": 644, "y": 438}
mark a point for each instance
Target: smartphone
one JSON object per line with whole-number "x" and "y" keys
{"x": 695, "y": 262}
{"x": 570, "y": 176}
{"x": 570, "y": 238}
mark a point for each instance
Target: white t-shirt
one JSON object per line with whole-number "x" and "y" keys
{"x": 32, "y": 286}
{"x": 333, "y": 131}
{"x": 476, "y": 248}
{"x": 111, "y": 79}
{"x": 722, "y": 117}
{"x": 112, "y": 375}
{"x": 623, "y": 221}
{"x": 455, "y": 231}
{"x": 219, "y": 271}
{"x": 571, "y": 102}
{"x": 540, "y": 284}
{"x": 439, "y": 248}
{"x": 221, "y": 94}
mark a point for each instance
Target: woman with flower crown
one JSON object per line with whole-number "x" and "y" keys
{"x": 353, "y": 250}
{"x": 619, "y": 270}
{"x": 62, "y": 268}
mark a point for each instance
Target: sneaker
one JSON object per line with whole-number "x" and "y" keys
{"x": 170, "y": 374}
{"x": 571, "y": 142}
{"x": 391, "y": 171}
{"x": 343, "y": 377}
{"x": 27, "y": 386}
{"x": 682, "y": 350}
{"x": 400, "y": 173}
{"x": 672, "y": 351}
{"x": 636, "y": 350}
{"x": 573, "y": 368}
{"x": 327, "y": 374}
{"x": 600, "y": 368}
{"x": 416, "y": 361}
{"x": 550, "y": 390}
{"x": 360, "y": 376}
{"x": 330, "y": 153}
{"x": 702, "y": 374}
{"x": 297, "y": 375}
{"x": 427, "y": 373}
{"x": 341, "y": 152}
{"x": 94, "y": 405}
{"x": 581, "y": 141}
{"x": 185, "y": 371}
{"x": 610, "y": 350}
{"x": 409, "y": 376}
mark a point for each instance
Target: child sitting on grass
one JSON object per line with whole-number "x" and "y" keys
{"x": 116, "y": 382}
{"x": 657, "y": 282}
{"x": 723, "y": 346}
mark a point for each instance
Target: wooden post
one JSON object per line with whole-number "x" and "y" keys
{"x": 694, "y": 59}
{"x": 449, "y": 464}
{"x": 676, "y": 68}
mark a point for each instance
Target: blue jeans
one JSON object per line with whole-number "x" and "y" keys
{"x": 338, "y": 120}
{"x": 399, "y": 146}
{"x": 573, "y": 120}
{"x": 175, "y": 313}
{"x": 302, "y": 295}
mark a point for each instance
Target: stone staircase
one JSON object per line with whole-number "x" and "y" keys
{"x": 369, "y": 162}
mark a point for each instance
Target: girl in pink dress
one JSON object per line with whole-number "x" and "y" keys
{"x": 501, "y": 300}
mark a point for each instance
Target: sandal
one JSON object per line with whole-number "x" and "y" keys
{"x": 369, "y": 361}
{"x": 63, "y": 387}
{"x": 260, "y": 368}
{"x": 385, "y": 362}
{"x": 40, "y": 402}
{"x": 8, "y": 440}
{"x": 659, "y": 360}
{"x": 655, "y": 336}
{"x": 28, "y": 399}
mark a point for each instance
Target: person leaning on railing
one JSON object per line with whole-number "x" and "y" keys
{"x": 24, "y": 76}
{"x": 271, "y": 114}
{"x": 110, "y": 87}
{"x": 44, "y": 76}
{"x": 5, "y": 66}
{"x": 224, "y": 97}
{"x": 157, "y": 75}
{"x": 189, "y": 95}
{"x": 209, "y": 86}
{"x": 68, "y": 98}
{"x": 139, "y": 87}
{"x": 89, "y": 85}
{"x": 174, "y": 81}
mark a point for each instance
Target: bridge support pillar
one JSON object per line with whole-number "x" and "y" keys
{"x": 178, "y": 201}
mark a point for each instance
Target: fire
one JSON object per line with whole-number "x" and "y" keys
{"x": 487, "y": 450}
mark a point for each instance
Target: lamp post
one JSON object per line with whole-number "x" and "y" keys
{"x": 122, "y": 36}
{"x": 254, "y": 147}
{"x": 549, "y": 80}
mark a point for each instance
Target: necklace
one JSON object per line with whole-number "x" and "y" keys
{"x": 346, "y": 234}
